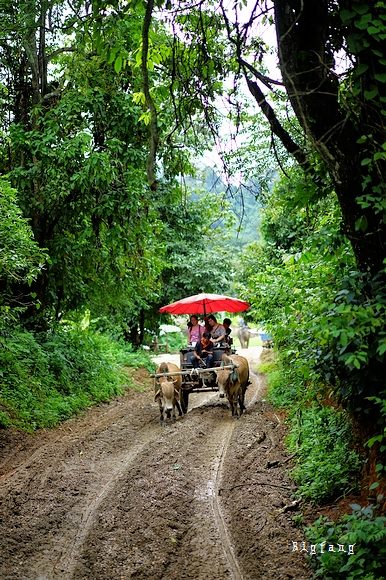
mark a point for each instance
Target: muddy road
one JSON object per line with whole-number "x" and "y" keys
{"x": 113, "y": 495}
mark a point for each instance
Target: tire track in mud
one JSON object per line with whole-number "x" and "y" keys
{"x": 184, "y": 463}
{"x": 219, "y": 516}
{"x": 251, "y": 398}
{"x": 139, "y": 525}
{"x": 46, "y": 466}
{"x": 58, "y": 488}
{"x": 63, "y": 433}
{"x": 68, "y": 560}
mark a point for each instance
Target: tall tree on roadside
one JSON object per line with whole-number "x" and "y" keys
{"x": 341, "y": 110}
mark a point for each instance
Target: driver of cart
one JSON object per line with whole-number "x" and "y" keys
{"x": 217, "y": 331}
{"x": 203, "y": 353}
{"x": 195, "y": 331}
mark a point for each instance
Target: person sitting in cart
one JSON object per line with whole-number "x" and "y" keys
{"x": 195, "y": 330}
{"x": 217, "y": 331}
{"x": 227, "y": 325}
{"x": 203, "y": 353}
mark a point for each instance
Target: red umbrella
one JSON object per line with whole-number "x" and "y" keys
{"x": 205, "y": 304}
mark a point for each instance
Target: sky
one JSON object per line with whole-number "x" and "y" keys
{"x": 229, "y": 139}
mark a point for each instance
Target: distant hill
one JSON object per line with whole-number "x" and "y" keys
{"x": 243, "y": 199}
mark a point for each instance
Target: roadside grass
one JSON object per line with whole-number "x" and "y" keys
{"x": 319, "y": 436}
{"x": 46, "y": 379}
{"x": 327, "y": 469}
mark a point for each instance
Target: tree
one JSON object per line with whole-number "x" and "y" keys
{"x": 196, "y": 235}
{"x": 341, "y": 112}
{"x": 76, "y": 148}
{"x": 339, "y": 138}
{"x": 78, "y": 115}
{"x": 302, "y": 284}
{"x": 20, "y": 257}
{"x": 347, "y": 129}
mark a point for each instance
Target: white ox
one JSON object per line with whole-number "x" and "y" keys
{"x": 168, "y": 391}
{"x": 233, "y": 382}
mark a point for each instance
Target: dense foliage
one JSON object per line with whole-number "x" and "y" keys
{"x": 364, "y": 530}
{"x": 47, "y": 378}
{"x": 304, "y": 285}
{"x": 327, "y": 467}
{"x": 75, "y": 148}
{"x": 82, "y": 225}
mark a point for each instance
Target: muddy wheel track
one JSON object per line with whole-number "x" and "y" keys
{"x": 68, "y": 560}
{"x": 219, "y": 516}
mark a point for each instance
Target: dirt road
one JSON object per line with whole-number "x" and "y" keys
{"x": 113, "y": 495}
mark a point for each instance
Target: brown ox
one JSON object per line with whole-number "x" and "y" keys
{"x": 168, "y": 391}
{"x": 233, "y": 382}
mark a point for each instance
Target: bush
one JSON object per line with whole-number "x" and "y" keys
{"x": 283, "y": 389}
{"x": 173, "y": 341}
{"x": 321, "y": 436}
{"x": 365, "y": 530}
{"x": 47, "y": 378}
{"x": 20, "y": 256}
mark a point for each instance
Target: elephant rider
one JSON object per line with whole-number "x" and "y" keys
{"x": 217, "y": 331}
{"x": 203, "y": 352}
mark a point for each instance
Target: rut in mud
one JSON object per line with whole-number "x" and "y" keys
{"x": 115, "y": 495}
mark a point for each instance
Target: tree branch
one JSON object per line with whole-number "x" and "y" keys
{"x": 58, "y": 51}
{"x": 263, "y": 78}
{"x": 276, "y": 127}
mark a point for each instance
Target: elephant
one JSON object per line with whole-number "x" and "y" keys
{"x": 244, "y": 334}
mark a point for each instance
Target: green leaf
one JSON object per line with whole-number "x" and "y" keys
{"x": 381, "y": 77}
{"x": 361, "y": 224}
{"x": 374, "y": 485}
{"x": 346, "y": 15}
{"x": 373, "y": 440}
{"x": 382, "y": 348}
{"x": 363, "y": 23}
{"x": 361, "y": 8}
{"x": 361, "y": 68}
{"x": 371, "y": 93}
{"x": 118, "y": 64}
{"x": 373, "y": 30}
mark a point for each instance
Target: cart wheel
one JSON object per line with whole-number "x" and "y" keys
{"x": 184, "y": 400}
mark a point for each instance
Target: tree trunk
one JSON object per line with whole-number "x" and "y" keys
{"x": 303, "y": 37}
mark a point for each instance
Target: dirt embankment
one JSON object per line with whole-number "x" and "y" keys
{"x": 112, "y": 494}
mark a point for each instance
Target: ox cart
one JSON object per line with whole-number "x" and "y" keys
{"x": 200, "y": 379}
{"x": 193, "y": 379}
{"x": 197, "y": 379}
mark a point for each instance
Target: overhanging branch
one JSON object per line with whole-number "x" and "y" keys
{"x": 276, "y": 127}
